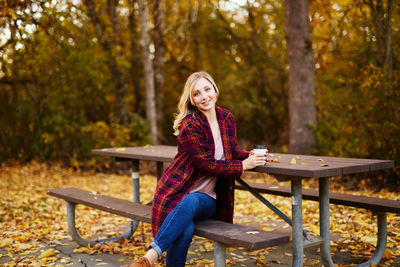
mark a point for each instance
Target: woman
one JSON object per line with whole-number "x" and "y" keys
{"x": 199, "y": 184}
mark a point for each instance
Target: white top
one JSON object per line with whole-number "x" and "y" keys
{"x": 206, "y": 184}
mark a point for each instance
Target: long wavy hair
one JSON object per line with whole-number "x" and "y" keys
{"x": 185, "y": 105}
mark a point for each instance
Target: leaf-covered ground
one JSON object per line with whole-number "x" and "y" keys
{"x": 33, "y": 223}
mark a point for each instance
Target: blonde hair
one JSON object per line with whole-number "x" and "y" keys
{"x": 185, "y": 105}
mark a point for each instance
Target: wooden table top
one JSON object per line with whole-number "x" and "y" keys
{"x": 284, "y": 165}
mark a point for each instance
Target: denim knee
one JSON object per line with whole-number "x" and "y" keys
{"x": 190, "y": 203}
{"x": 185, "y": 238}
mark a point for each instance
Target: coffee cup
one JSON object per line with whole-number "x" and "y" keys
{"x": 260, "y": 150}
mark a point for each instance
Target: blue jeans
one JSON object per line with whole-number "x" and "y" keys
{"x": 176, "y": 232}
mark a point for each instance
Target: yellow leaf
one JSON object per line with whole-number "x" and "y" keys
{"x": 268, "y": 229}
{"x": 387, "y": 253}
{"x": 28, "y": 252}
{"x": 22, "y": 246}
{"x": 81, "y": 250}
{"x": 46, "y": 231}
{"x": 140, "y": 252}
{"x": 303, "y": 163}
{"x": 120, "y": 149}
{"x": 314, "y": 262}
{"x": 13, "y": 14}
{"x": 47, "y": 253}
{"x": 293, "y": 161}
{"x": 279, "y": 262}
{"x": 6, "y": 242}
{"x": 352, "y": 247}
{"x": 49, "y": 259}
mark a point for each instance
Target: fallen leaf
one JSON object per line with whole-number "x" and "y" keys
{"x": 268, "y": 229}
{"x": 252, "y": 232}
{"x": 314, "y": 262}
{"x": 47, "y": 253}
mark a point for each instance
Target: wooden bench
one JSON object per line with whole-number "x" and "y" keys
{"x": 378, "y": 206}
{"x": 223, "y": 234}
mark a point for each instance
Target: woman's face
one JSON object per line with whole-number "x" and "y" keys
{"x": 204, "y": 96}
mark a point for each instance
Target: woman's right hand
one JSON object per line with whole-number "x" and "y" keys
{"x": 253, "y": 161}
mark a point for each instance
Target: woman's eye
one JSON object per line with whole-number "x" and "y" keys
{"x": 196, "y": 94}
{"x": 208, "y": 89}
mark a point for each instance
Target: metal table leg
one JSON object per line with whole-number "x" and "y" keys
{"x": 297, "y": 221}
{"x": 219, "y": 254}
{"x": 325, "y": 230}
{"x": 324, "y": 221}
{"x": 134, "y": 223}
{"x": 381, "y": 243}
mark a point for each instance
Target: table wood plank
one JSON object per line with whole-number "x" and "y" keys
{"x": 306, "y": 166}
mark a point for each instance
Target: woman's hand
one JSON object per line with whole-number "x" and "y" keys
{"x": 253, "y": 161}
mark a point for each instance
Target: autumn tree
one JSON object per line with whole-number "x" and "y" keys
{"x": 112, "y": 47}
{"x": 148, "y": 71}
{"x": 381, "y": 14}
{"x": 159, "y": 58}
{"x": 62, "y": 63}
{"x": 136, "y": 65}
{"x": 302, "y": 108}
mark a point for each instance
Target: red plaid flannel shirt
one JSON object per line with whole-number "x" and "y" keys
{"x": 195, "y": 158}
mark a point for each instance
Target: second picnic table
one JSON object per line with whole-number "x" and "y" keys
{"x": 285, "y": 167}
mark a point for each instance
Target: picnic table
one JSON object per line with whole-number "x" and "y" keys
{"x": 285, "y": 167}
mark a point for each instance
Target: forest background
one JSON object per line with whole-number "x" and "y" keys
{"x": 72, "y": 75}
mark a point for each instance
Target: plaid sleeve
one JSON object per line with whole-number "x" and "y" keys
{"x": 194, "y": 144}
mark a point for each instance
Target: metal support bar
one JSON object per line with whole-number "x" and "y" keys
{"x": 297, "y": 226}
{"x": 71, "y": 226}
{"x": 136, "y": 192}
{"x": 135, "y": 181}
{"x": 134, "y": 223}
{"x": 82, "y": 241}
{"x": 270, "y": 205}
{"x": 324, "y": 221}
{"x": 219, "y": 254}
{"x": 381, "y": 243}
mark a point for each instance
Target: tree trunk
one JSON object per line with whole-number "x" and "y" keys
{"x": 158, "y": 63}
{"x": 148, "y": 71}
{"x": 388, "y": 58}
{"x": 108, "y": 46}
{"x": 134, "y": 60}
{"x": 302, "y": 109}
{"x": 382, "y": 19}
